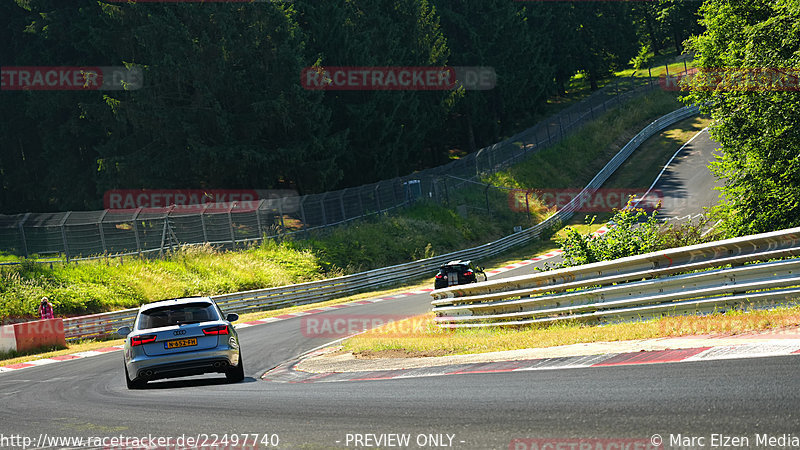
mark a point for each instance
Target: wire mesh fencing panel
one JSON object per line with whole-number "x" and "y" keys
{"x": 84, "y": 234}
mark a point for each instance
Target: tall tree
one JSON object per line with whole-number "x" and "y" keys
{"x": 759, "y": 129}
{"x": 679, "y": 19}
{"x": 511, "y": 40}
{"x": 221, "y": 105}
{"x": 385, "y": 130}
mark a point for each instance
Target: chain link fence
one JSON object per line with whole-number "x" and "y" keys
{"x": 86, "y": 234}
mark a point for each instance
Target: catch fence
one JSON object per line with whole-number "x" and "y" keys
{"x": 75, "y": 235}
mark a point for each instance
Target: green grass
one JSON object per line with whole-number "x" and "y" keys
{"x": 99, "y": 285}
{"x": 646, "y": 162}
{"x": 573, "y": 162}
{"x": 658, "y": 71}
{"x": 420, "y": 336}
{"x": 579, "y": 88}
{"x": 420, "y": 231}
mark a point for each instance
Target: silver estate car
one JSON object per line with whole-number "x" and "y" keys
{"x": 181, "y": 337}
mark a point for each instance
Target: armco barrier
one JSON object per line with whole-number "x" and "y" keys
{"x": 317, "y": 291}
{"x": 82, "y": 235}
{"x": 652, "y": 285}
{"x": 31, "y": 335}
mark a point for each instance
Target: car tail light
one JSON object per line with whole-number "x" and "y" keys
{"x": 467, "y": 273}
{"x": 143, "y": 339}
{"x": 215, "y": 331}
{"x": 440, "y": 277}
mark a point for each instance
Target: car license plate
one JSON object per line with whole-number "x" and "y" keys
{"x": 178, "y": 343}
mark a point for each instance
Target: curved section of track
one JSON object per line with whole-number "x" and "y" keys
{"x": 88, "y": 397}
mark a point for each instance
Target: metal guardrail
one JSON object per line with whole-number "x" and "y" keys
{"x": 298, "y": 294}
{"x": 87, "y": 235}
{"x": 317, "y": 291}
{"x": 662, "y": 283}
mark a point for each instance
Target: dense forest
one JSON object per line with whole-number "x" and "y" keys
{"x": 222, "y": 105}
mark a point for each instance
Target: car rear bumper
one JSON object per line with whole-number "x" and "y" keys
{"x": 218, "y": 359}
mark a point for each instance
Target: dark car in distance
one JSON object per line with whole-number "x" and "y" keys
{"x": 458, "y": 272}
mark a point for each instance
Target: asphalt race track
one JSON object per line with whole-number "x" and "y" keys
{"x": 686, "y": 186}
{"x": 88, "y": 398}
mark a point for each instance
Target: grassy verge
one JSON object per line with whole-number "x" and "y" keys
{"x": 573, "y": 162}
{"x": 658, "y": 70}
{"x": 191, "y": 266}
{"x": 646, "y": 163}
{"x": 9, "y": 358}
{"x": 95, "y": 286}
{"x": 515, "y": 255}
{"x": 639, "y": 171}
{"x": 417, "y": 232}
{"x": 427, "y": 339}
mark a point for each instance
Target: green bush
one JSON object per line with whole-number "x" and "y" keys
{"x": 634, "y": 232}
{"x": 644, "y": 58}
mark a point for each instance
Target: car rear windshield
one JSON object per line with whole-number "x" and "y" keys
{"x": 177, "y": 314}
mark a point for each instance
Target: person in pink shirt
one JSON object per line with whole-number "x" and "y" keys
{"x": 46, "y": 309}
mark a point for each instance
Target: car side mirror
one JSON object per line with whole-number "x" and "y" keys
{"x": 232, "y": 317}
{"x": 124, "y": 331}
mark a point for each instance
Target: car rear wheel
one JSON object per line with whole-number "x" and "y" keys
{"x": 236, "y": 374}
{"x": 134, "y": 384}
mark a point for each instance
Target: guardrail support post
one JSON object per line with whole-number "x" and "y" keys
{"x": 378, "y": 197}
{"x": 23, "y": 241}
{"x": 341, "y": 203}
{"x": 280, "y": 214}
{"x": 361, "y": 203}
{"x": 64, "y": 234}
{"x": 136, "y": 231}
{"x": 527, "y": 205}
{"x": 102, "y": 234}
{"x": 322, "y": 209}
{"x": 230, "y": 223}
{"x": 203, "y": 222}
{"x": 258, "y": 218}
{"x": 303, "y": 213}
{"x": 486, "y": 193}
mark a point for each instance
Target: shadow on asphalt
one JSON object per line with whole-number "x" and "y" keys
{"x": 192, "y": 382}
